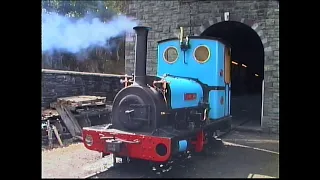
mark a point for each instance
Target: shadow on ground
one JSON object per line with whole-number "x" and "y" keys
{"x": 238, "y": 156}
{"x": 246, "y": 108}
{"x": 230, "y": 162}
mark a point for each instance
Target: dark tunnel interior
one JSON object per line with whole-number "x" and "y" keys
{"x": 247, "y": 55}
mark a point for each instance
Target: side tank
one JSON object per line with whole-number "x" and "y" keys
{"x": 208, "y": 60}
{"x": 185, "y": 93}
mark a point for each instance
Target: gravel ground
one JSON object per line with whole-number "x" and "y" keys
{"x": 240, "y": 155}
{"x": 73, "y": 161}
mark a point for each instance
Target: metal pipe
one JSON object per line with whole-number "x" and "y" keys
{"x": 181, "y": 34}
{"x": 262, "y": 101}
{"x": 141, "y": 54}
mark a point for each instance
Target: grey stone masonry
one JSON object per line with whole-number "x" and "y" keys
{"x": 164, "y": 17}
{"x": 57, "y": 84}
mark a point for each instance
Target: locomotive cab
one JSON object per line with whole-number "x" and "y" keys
{"x": 204, "y": 60}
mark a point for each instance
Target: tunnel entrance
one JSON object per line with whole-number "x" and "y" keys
{"x": 247, "y": 55}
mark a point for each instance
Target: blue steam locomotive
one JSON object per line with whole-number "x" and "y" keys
{"x": 157, "y": 118}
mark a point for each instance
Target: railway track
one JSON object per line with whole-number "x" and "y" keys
{"x": 134, "y": 170}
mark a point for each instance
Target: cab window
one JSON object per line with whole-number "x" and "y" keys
{"x": 170, "y": 55}
{"x": 201, "y": 54}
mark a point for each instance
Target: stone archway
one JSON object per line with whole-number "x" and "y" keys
{"x": 264, "y": 44}
{"x": 254, "y": 25}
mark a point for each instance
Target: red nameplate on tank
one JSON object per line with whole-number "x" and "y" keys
{"x": 190, "y": 96}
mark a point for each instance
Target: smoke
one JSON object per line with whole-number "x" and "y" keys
{"x": 74, "y": 35}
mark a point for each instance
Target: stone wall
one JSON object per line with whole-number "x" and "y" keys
{"x": 57, "y": 84}
{"x": 164, "y": 17}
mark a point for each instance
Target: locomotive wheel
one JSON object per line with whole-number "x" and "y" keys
{"x": 213, "y": 146}
{"x": 124, "y": 160}
{"x": 114, "y": 160}
{"x": 159, "y": 169}
{"x": 115, "y": 163}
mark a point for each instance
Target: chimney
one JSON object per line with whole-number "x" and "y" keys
{"x": 141, "y": 55}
